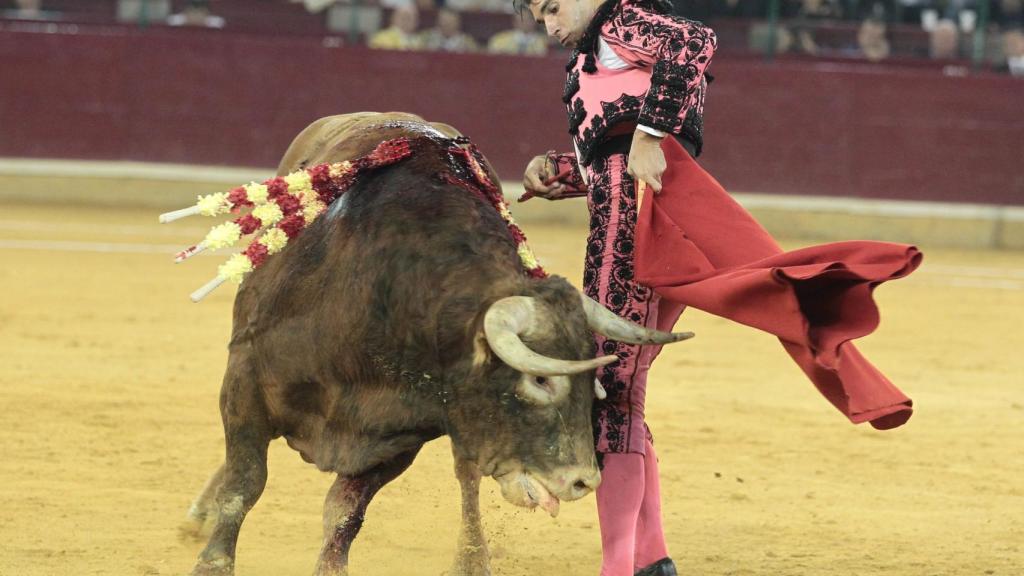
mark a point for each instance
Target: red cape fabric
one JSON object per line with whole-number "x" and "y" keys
{"x": 695, "y": 245}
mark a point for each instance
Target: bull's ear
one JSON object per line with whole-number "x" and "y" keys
{"x": 482, "y": 354}
{"x": 543, "y": 390}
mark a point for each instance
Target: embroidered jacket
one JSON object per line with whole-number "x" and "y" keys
{"x": 645, "y": 69}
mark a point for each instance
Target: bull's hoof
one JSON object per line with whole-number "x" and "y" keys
{"x": 218, "y": 567}
{"x": 194, "y": 530}
{"x": 663, "y": 567}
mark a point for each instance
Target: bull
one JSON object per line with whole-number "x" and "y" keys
{"x": 400, "y": 315}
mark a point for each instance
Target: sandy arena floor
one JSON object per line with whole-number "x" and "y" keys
{"x": 108, "y": 399}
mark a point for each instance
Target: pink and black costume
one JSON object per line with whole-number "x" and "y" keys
{"x": 636, "y": 68}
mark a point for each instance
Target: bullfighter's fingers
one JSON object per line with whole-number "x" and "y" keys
{"x": 654, "y": 180}
{"x": 533, "y": 183}
{"x": 539, "y": 188}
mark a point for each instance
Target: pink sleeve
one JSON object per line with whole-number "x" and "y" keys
{"x": 677, "y": 49}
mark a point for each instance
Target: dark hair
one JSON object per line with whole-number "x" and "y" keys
{"x": 656, "y": 6}
{"x": 521, "y": 6}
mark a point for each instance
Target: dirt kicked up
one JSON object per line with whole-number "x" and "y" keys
{"x": 108, "y": 398}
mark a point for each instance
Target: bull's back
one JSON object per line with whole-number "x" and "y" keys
{"x": 350, "y": 136}
{"x": 400, "y": 228}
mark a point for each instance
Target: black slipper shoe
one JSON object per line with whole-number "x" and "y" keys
{"x": 663, "y": 567}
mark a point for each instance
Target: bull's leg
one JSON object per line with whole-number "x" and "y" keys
{"x": 345, "y": 509}
{"x": 247, "y": 435}
{"x": 199, "y": 513}
{"x": 472, "y": 558}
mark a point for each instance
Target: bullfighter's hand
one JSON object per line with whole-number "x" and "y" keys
{"x": 539, "y": 170}
{"x": 646, "y": 160}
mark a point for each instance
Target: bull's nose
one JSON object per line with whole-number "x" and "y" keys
{"x": 583, "y": 483}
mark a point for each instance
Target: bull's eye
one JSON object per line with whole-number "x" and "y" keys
{"x": 542, "y": 380}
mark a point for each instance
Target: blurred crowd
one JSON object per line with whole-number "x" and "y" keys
{"x": 944, "y": 29}
{"x": 873, "y": 30}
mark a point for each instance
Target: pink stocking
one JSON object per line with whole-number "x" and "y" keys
{"x": 650, "y": 538}
{"x": 619, "y": 501}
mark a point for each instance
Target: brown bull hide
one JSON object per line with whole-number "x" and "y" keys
{"x": 360, "y": 342}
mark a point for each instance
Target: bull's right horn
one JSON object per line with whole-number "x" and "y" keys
{"x": 609, "y": 324}
{"x": 513, "y": 316}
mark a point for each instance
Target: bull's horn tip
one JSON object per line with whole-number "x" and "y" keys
{"x": 605, "y": 360}
{"x": 679, "y": 336}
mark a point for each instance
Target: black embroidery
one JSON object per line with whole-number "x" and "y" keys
{"x": 625, "y": 108}
{"x": 652, "y": 34}
{"x": 670, "y": 91}
{"x": 693, "y": 129}
{"x": 612, "y": 416}
{"x": 571, "y": 64}
{"x": 572, "y": 86}
{"x": 605, "y": 12}
{"x": 588, "y": 42}
{"x": 576, "y": 115}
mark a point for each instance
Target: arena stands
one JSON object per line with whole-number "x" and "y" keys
{"x": 979, "y": 36}
{"x": 824, "y": 121}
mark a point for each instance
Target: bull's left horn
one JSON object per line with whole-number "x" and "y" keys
{"x": 512, "y": 316}
{"x": 609, "y": 324}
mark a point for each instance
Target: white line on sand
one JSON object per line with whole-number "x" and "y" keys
{"x": 974, "y": 271}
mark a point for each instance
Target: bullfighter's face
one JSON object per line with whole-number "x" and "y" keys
{"x": 564, "y": 20}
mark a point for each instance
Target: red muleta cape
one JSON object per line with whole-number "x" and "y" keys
{"x": 695, "y": 245}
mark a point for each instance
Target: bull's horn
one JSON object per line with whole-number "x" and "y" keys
{"x": 609, "y": 324}
{"x": 512, "y": 316}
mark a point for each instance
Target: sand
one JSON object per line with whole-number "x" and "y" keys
{"x": 108, "y": 398}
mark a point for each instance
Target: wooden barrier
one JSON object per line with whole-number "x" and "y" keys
{"x": 225, "y": 98}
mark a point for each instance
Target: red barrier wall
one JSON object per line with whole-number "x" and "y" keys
{"x": 215, "y": 97}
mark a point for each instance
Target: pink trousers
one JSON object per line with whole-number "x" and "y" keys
{"x": 608, "y": 278}
{"x": 628, "y": 500}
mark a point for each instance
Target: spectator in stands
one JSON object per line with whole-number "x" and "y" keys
{"x": 447, "y": 34}
{"x": 962, "y": 11}
{"x": 744, "y": 9}
{"x": 1008, "y": 13}
{"x": 478, "y": 5}
{"x": 914, "y": 11}
{"x": 522, "y": 39}
{"x": 760, "y": 32}
{"x": 421, "y": 5}
{"x": 808, "y": 16}
{"x": 871, "y": 40}
{"x": 30, "y": 10}
{"x": 196, "y": 13}
{"x": 1013, "y": 50}
{"x": 401, "y": 35}
{"x": 944, "y": 43}
{"x": 879, "y": 9}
